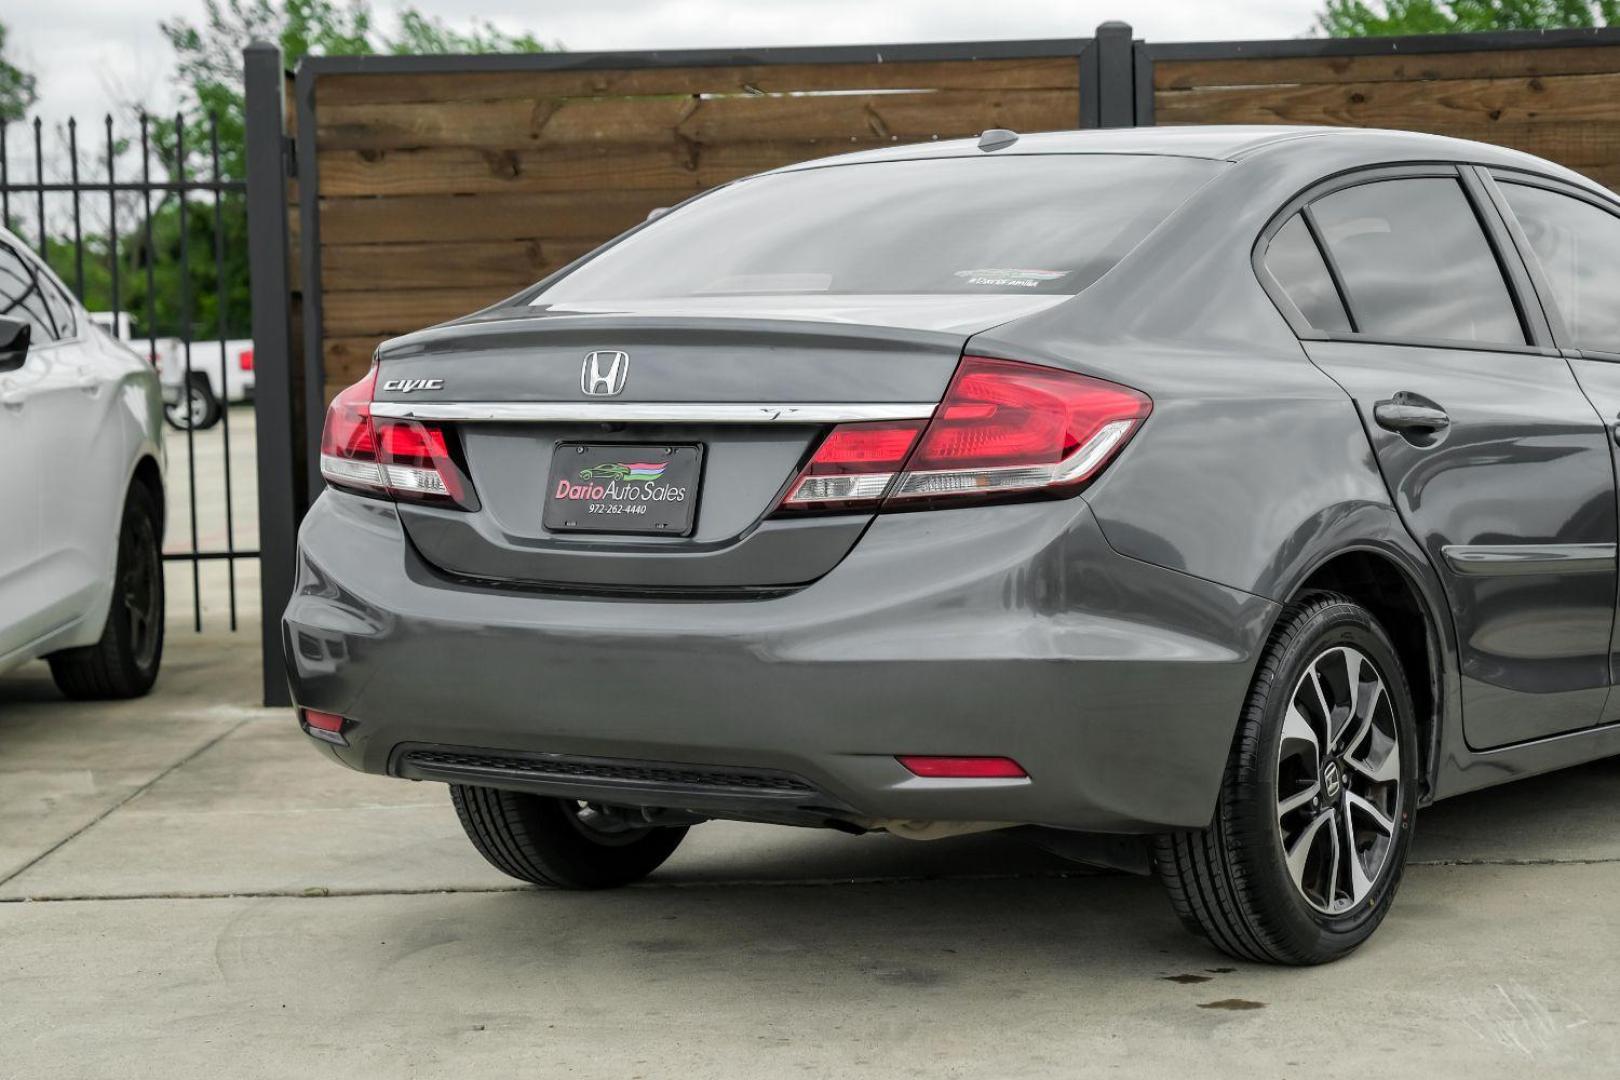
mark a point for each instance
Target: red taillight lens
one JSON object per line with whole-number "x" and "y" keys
{"x": 1004, "y": 429}
{"x": 963, "y": 768}
{"x": 328, "y": 727}
{"x": 244, "y": 360}
{"x": 324, "y": 720}
{"x": 407, "y": 459}
{"x": 854, "y": 466}
{"x": 1008, "y": 427}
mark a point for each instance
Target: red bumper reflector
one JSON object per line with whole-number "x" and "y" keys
{"x": 962, "y": 768}
{"x": 323, "y": 721}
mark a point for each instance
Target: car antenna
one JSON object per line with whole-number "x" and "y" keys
{"x": 996, "y": 138}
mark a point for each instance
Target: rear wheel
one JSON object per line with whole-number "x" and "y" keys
{"x": 1315, "y": 813}
{"x": 124, "y": 663}
{"x": 560, "y": 842}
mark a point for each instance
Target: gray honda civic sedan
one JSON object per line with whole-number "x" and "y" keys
{"x": 1197, "y": 501}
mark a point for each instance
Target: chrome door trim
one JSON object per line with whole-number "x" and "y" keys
{"x": 1529, "y": 558}
{"x": 667, "y": 412}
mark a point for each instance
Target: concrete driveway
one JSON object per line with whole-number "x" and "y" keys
{"x": 186, "y": 890}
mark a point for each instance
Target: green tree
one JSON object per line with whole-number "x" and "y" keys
{"x": 208, "y": 67}
{"x": 17, "y": 88}
{"x": 1361, "y": 18}
{"x": 209, "y": 58}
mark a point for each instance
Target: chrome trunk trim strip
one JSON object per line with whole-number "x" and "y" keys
{"x": 667, "y": 412}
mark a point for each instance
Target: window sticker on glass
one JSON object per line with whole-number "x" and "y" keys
{"x": 1002, "y": 277}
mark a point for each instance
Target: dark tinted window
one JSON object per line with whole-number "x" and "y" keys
{"x": 1579, "y": 248}
{"x": 1415, "y": 263}
{"x": 21, "y": 296}
{"x": 1295, "y": 261}
{"x": 1015, "y": 224}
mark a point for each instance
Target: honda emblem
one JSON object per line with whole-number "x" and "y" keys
{"x": 604, "y": 372}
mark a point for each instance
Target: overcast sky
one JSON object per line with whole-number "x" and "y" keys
{"x": 92, "y": 53}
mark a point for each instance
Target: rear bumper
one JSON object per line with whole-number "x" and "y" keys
{"x": 1010, "y": 630}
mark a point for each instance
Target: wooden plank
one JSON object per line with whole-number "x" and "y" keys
{"x": 569, "y": 216}
{"x": 1440, "y": 106}
{"x": 1401, "y": 67}
{"x": 501, "y": 264}
{"x": 676, "y": 164}
{"x": 1039, "y": 73}
{"x": 549, "y": 122}
{"x": 347, "y": 358}
{"x": 348, "y": 313}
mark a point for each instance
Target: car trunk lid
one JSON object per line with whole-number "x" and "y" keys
{"x": 734, "y": 402}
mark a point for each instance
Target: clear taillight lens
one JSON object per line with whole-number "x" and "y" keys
{"x": 1005, "y": 429}
{"x": 854, "y": 466}
{"x": 404, "y": 458}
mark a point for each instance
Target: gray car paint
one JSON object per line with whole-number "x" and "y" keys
{"x": 1111, "y": 637}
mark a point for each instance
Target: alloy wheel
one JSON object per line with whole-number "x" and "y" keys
{"x": 139, "y": 588}
{"x": 1338, "y": 780}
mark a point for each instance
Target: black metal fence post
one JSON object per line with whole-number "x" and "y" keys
{"x": 1108, "y": 79}
{"x": 281, "y": 462}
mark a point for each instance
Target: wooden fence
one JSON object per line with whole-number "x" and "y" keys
{"x": 436, "y": 193}
{"x": 1554, "y": 95}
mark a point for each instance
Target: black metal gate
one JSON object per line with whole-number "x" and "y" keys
{"x": 138, "y": 250}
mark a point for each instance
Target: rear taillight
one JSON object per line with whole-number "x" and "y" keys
{"x": 1005, "y": 429}
{"x": 404, "y": 458}
{"x": 854, "y": 466}
{"x": 244, "y": 360}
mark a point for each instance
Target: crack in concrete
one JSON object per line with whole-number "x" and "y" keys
{"x": 1513, "y": 862}
{"x": 324, "y": 893}
{"x": 121, "y": 803}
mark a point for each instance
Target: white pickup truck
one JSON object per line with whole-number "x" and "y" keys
{"x": 194, "y": 394}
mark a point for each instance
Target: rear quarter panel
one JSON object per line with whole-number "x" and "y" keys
{"x": 1254, "y": 465}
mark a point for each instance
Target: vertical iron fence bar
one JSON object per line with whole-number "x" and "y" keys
{"x": 280, "y": 454}
{"x": 119, "y": 331}
{"x": 150, "y": 253}
{"x": 78, "y": 231}
{"x": 220, "y": 295}
{"x": 39, "y": 180}
{"x": 185, "y": 347}
{"x": 5, "y": 178}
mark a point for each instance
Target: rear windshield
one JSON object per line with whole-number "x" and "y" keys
{"x": 1033, "y": 224}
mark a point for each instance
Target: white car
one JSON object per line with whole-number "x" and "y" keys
{"x": 81, "y": 493}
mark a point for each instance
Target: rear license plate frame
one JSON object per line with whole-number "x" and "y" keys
{"x": 585, "y": 494}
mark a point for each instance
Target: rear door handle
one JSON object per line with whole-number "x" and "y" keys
{"x": 1408, "y": 416}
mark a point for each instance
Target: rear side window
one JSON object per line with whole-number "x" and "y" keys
{"x": 22, "y": 296}
{"x": 1296, "y": 263}
{"x": 1050, "y": 223}
{"x": 1415, "y": 263}
{"x": 1578, "y": 246}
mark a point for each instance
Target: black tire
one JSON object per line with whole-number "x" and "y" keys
{"x": 545, "y": 841}
{"x": 125, "y": 662}
{"x": 1232, "y": 882}
{"x": 197, "y": 408}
